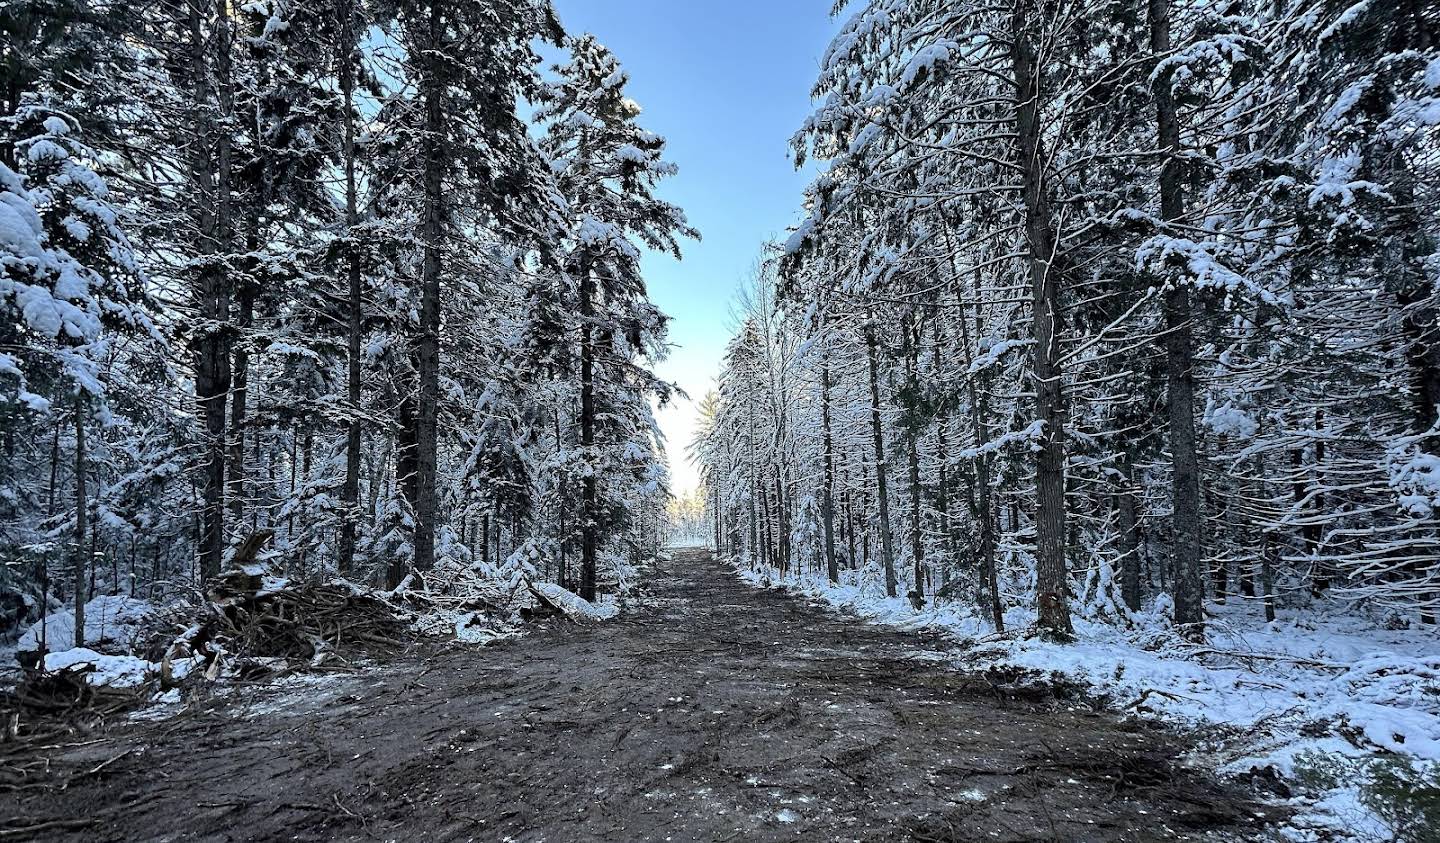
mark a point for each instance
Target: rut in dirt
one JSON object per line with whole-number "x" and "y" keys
{"x": 712, "y": 712}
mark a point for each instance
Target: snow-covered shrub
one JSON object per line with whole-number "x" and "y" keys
{"x": 522, "y": 565}
{"x": 1404, "y": 795}
{"x": 805, "y": 535}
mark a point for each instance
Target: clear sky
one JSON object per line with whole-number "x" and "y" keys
{"x": 727, "y": 83}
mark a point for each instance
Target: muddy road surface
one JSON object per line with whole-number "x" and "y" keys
{"x": 713, "y": 711}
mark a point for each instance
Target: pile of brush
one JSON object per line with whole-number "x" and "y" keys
{"x": 261, "y": 621}
{"x": 64, "y": 698}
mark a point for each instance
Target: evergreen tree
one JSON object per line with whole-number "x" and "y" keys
{"x": 607, "y": 168}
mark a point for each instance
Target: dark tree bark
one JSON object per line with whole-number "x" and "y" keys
{"x": 865, "y": 513}
{"x": 406, "y": 474}
{"x": 240, "y": 370}
{"x": 942, "y": 457}
{"x": 350, "y": 488}
{"x": 211, "y": 174}
{"x": 754, "y": 480}
{"x": 827, "y": 488}
{"x": 590, "y": 528}
{"x": 983, "y": 495}
{"x": 1320, "y": 576}
{"x": 54, "y": 470}
{"x": 1267, "y": 573}
{"x": 782, "y": 527}
{"x": 1045, "y": 283}
{"x": 1179, "y": 359}
{"x": 82, "y": 520}
{"x": 427, "y": 343}
{"x": 1129, "y": 535}
{"x": 877, "y": 436}
{"x": 767, "y": 551}
{"x": 917, "y": 527}
{"x": 245, "y": 292}
{"x": 850, "y": 557}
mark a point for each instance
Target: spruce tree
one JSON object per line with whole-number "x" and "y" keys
{"x": 607, "y": 167}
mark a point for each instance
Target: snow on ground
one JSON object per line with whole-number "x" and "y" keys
{"x": 112, "y": 622}
{"x": 577, "y": 608}
{"x": 301, "y": 695}
{"x": 117, "y": 671}
{"x": 1327, "y": 685}
{"x": 113, "y": 671}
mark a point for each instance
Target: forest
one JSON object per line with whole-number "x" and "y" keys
{"x": 1171, "y": 324}
{"x": 307, "y": 269}
{"x": 1114, "y": 324}
{"x": 1071, "y": 466}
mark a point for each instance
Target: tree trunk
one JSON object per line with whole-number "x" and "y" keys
{"x": 350, "y": 488}
{"x": 54, "y": 470}
{"x": 562, "y": 529}
{"x": 827, "y": 493}
{"x": 307, "y": 452}
{"x": 1045, "y": 282}
{"x": 1321, "y": 580}
{"x": 245, "y": 292}
{"x": 405, "y": 475}
{"x": 240, "y": 369}
{"x": 983, "y": 496}
{"x": 1267, "y": 573}
{"x": 256, "y": 508}
{"x": 210, "y": 171}
{"x": 942, "y": 458}
{"x": 782, "y": 525}
{"x": 376, "y": 480}
{"x": 864, "y": 514}
{"x": 1129, "y": 536}
{"x": 877, "y": 435}
{"x": 589, "y": 527}
{"x": 1419, "y": 310}
{"x": 427, "y": 346}
{"x": 762, "y": 551}
{"x": 850, "y": 558}
{"x": 294, "y": 482}
{"x": 1179, "y": 359}
{"x": 82, "y": 526}
{"x": 917, "y": 527}
{"x": 754, "y": 481}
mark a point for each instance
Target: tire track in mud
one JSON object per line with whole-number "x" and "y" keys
{"x": 712, "y": 712}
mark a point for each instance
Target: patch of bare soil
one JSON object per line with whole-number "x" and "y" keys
{"x": 714, "y": 712}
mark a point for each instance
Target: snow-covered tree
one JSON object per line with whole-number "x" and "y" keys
{"x": 607, "y": 167}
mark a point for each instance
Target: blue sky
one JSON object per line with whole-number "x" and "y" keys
{"x": 727, "y": 83}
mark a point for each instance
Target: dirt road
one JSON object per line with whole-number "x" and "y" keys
{"x": 712, "y": 712}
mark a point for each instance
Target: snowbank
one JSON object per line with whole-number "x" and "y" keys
{"x": 1378, "y": 689}
{"x": 111, "y": 671}
{"x": 1330, "y": 682}
{"x": 112, "y": 623}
